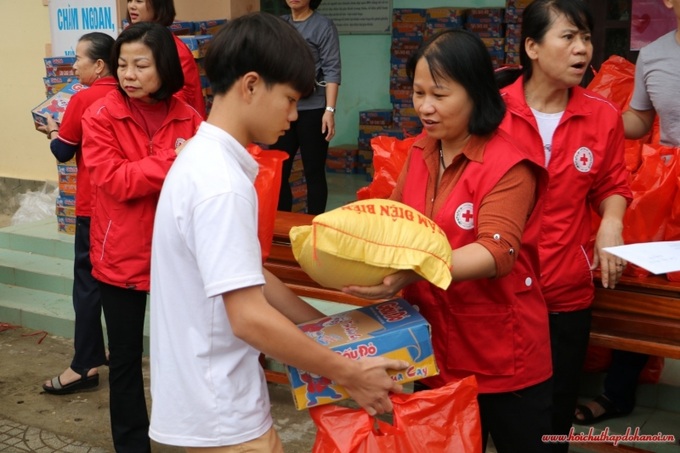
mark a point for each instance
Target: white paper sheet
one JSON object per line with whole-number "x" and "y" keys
{"x": 656, "y": 257}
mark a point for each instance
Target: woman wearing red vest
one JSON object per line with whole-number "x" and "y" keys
{"x": 578, "y": 137}
{"x": 163, "y": 12}
{"x": 468, "y": 177}
{"x": 92, "y": 68}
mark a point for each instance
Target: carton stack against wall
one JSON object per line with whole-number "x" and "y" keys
{"x": 341, "y": 159}
{"x": 438, "y": 19}
{"x": 66, "y": 199}
{"x": 298, "y": 185}
{"x": 59, "y": 72}
{"x": 513, "y": 29}
{"x": 371, "y": 123}
{"x": 488, "y": 24}
{"x": 408, "y": 29}
{"x": 197, "y": 35}
{"x": 60, "y": 85}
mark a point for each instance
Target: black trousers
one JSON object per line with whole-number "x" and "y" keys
{"x": 124, "y": 311}
{"x": 517, "y": 420}
{"x": 569, "y": 335}
{"x": 621, "y": 382}
{"x": 88, "y": 340}
{"x": 305, "y": 134}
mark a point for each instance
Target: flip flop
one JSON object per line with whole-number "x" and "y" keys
{"x": 85, "y": 382}
{"x": 610, "y": 411}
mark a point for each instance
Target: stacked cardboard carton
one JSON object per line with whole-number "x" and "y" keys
{"x": 488, "y": 24}
{"x": 60, "y": 85}
{"x": 513, "y": 29}
{"x": 371, "y": 123}
{"x": 197, "y": 36}
{"x": 298, "y": 185}
{"x": 66, "y": 199}
{"x": 59, "y": 72}
{"x": 438, "y": 19}
{"x": 341, "y": 159}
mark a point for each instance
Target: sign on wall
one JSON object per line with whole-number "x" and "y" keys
{"x": 70, "y": 19}
{"x": 359, "y": 16}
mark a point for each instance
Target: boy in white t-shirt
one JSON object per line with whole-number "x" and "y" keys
{"x": 213, "y": 305}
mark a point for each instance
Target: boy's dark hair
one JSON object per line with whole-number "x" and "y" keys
{"x": 461, "y": 56}
{"x": 162, "y": 44}
{"x": 539, "y": 16}
{"x": 163, "y": 11}
{"x": 100, "y": 46}
{"x": 262, "y": 43}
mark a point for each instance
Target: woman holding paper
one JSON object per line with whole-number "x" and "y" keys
{"x": 578, "y": 137}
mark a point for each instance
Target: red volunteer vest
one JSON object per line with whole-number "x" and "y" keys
{"x": 496, "y": 329}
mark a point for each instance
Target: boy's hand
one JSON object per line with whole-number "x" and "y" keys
{"x": 370, "y": 385}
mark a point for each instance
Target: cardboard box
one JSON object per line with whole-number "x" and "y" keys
{"x": 208, "y": 27}
{"x": 55, "y": 84}
{"x": 55, "y": 106}
{"x": 59, "y": 66}
{"x": 211, "y": 9}
{"x": 197, "y": 44}
{"x": 392, "y": 329}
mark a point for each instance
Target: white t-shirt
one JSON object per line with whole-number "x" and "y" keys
{"x": 547, "y": 123}
{"x": 207, "y": 386}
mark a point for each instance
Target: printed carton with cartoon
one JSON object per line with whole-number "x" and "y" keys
{"x": 55, "y": 106}
{"x": 392, "y": 329}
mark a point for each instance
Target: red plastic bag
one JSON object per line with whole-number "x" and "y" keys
{"x": 389, "y": 157}
{"x": 615, "y": 81}
{"x": 654, "y": 187}
{"x": 445, "y": 419}
{"x": 267, "y": 185}
{"x": 672, "y": 232}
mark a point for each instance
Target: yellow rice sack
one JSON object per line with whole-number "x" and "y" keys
{"x": 363, "y": 242}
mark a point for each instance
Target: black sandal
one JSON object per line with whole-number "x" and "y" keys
{"x": 610, "y": 411}
{"x": 84, "y": 383}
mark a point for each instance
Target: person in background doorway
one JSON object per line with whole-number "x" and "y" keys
{"x": 130, "y": 139}
{"x": 657, "y": 80}
{"x": 163, "y": 12}
{"x": 315, "y": 126}
{"x": 578, "y": 137}
{"x": 93, "y": 52}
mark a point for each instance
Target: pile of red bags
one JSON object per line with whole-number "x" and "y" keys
{"x": 654, "y": 214}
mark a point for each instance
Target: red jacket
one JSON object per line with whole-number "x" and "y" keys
{"x": 127, "y": 170}
{"x": 496, "y": 329}
{"x": 586, "y": 166}
{"x": 192, "y": 91}
{"x": 71, "y": 132}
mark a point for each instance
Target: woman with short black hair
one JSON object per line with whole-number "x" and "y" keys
{"x": 130, "y": 139}
{"x": 163, "y": 12}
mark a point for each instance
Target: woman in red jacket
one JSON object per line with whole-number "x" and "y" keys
{"x": 468, "y": 177}
{"x": 163, "y": 12}
{"x": 92, "y": 68}
{"x": 578, "y": 137}
{"x": 130, "y": 139}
